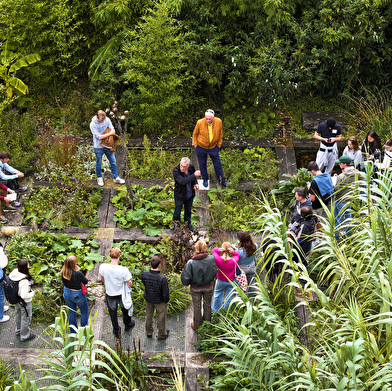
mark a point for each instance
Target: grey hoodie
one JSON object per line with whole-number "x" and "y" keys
{"x": 25, "y": 291}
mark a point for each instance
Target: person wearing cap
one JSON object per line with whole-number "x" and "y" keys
{"x": 328, "y": 133}
{"x": 343, "y": 193}
{"x": 207, "y": 139}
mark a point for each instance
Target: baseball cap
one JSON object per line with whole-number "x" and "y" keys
{"x": 344, "y": 159}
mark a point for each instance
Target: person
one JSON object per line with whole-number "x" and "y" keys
{"x": 3, "y": 308}
{"x": 353, "y": 151}
{"x": 371, "y": 146}
{"x": 343, "y": 196}
{"x": 226, "y": 259}
{"x": 185, "y": 184}
{"x": 9, "y": 174}
{"x": 304, "y": 234}
{"x": 387, "y": 155}
{"x": 320, "y": 189}
{"x": 114, "y": 276}
{"x": 4, "y": 200}
{"x": 328, "y": 133}
{"x": 207, "y": 139}
{"x": 72, "y": 279}
{"x": 199, "y": 272}
{"x": 302, "y": 199}
{"x": 23, "y": 311}
{"x": 98, "y": 125}
{"x": 247, "y": 250}
{"x": 156, "y": 295}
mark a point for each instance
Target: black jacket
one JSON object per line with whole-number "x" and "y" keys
{"x": 156, "y": 287}
{"x": 199, "y": 271}
{"x": 181, "y": 181}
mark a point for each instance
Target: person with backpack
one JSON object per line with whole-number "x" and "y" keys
{"x": 23, "y": 308}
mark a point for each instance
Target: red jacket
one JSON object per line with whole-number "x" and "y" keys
{"x": 3, "y": 187}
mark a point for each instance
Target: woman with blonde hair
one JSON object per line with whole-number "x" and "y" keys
{"x": 199, "y": 272}
{"x": 73, "y": 295}
{"x": 226, "y": 259}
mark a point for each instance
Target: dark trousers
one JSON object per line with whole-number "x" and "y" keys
{"x": 113, "y": 302}
{"x": 161, "y": 310}
{"x": 201, "y": 297}
{"x": 202, "y": 155}
{"x": 178, "y": 204}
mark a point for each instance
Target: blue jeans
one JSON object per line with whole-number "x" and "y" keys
{"x": 2, "y": 297}
{"x": 222, "y": 288}
{"x": 178, "y": 204}
{"x": 99, "y": 152}
{"x": 202, "y": 155}
{"x": 342, "y": 214}
{"x": 76, "y": 299}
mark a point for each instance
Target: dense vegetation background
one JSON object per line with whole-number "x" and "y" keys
{"x": 166, "y": 61}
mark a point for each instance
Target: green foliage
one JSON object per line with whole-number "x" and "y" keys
{"x": 7, "y": 373}
{"x": 57, "y": 208}
{"x": 10, "y": 63}
{"x": 232, "y": 210}
{"x": 153, "y": 209}
{"x": 156, "y": 69}
{"x": 153, "y": 162}
{"x": 18, "y": 138}
{"x": 249, "y": 165}
{"x": 285, "y": 190}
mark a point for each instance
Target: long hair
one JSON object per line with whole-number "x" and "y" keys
{"x": 354, "y": 142}
{"x": 226, "y": 253}
{"x": 69, "y": 265}
{"x": 246, "y": 242}
{"x": 23, "y": 267}
{"x": 377, "y": 140}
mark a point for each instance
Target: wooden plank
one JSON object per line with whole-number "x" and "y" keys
{"x": 311, "y": 119}
{"x": 285, "y": 159}
{"x": 103, "y": 207}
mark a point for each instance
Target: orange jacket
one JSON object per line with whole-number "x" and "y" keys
{"x": 201, "y": 137}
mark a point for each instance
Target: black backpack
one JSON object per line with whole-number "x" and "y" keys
{"x": 11, "y": 290}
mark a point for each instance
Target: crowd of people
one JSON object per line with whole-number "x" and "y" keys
{"x": 212, "y": 278}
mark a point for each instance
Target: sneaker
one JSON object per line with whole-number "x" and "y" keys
{"x": 17, "y": 204}
{"x": 130, "y": 327}
{"x": 149, "y": 335}
{"x": 205, "y": 182}
{"x": 100, "y": 181}
{"x": 223, "y": 183}
{"x": 9, "y": 209}
{"x": 191, "y": 228}
{"x": 32, "y": 336}
{"x": 165, "y": 337}
{"x": 3, "y": 220}
{"x": 6, "y": 308}
{"x": 118, "y": 180}
{"x": 5, "y": 318}
{"x": 21, "y": 189}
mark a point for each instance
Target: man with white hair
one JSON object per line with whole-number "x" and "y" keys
{"x": 98, "y": 126}
{"x": 207, "y": 139}
{"x": 184, "y": 191}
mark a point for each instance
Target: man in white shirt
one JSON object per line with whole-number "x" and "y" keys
{"x": 114, "y": 276}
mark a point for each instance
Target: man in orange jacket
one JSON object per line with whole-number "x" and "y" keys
{"x": 207, "y": 139}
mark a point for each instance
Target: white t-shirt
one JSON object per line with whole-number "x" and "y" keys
{"x": 115, "y": 276}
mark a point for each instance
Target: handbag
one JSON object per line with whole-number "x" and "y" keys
{"x": 84, "y": 289}
{"x": 241, "y": 279}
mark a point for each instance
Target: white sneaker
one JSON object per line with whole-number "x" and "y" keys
{"x": 100, "y": 181}
{"x": 6, "y": 308}
{"x": 5, "y": 318}
{"x": 118, "y": 180}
